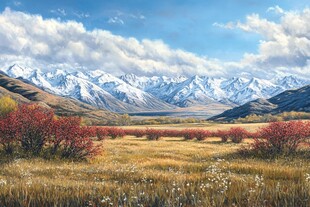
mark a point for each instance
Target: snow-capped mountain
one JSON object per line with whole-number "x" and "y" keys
{"x": 96, "y": 88}
{"x": 131, "y": 93}
{"x": 195, "y": 90}
{"x": 289, "y": 82}
{"x": 125, "y": 92}
{"x": 185, "y": 92}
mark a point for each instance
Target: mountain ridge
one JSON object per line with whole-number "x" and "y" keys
{"x": 132, "y": 93}
{"x": 289, "y": 100}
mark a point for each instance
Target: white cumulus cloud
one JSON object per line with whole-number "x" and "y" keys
{"x": 285, "y": 45}
{"x": 51, "y": 43}
{"x": 276, "y": 9}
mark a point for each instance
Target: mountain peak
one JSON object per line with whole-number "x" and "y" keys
{"x": 17, "y": 70}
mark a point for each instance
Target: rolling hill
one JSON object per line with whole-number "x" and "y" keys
{"x": 290, "y": 100}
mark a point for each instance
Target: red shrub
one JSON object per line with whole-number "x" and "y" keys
{"x": 62, "y": 128}
{"x": 101, "y": 133}
{"x": 223, "y": 134}
{"x": 90, "y": 131}
{"x": 282, "y": 137}
{"x": 189, "y": 134}
{"x": 135, "y": 132}
{"x": 237, "y": 134}
{"x": 153, "y": 134}
{"x": 78, "y": 145}
{"x": 307, "y": 125}
{"x": 202, "y": 134}
{"x": 73, "y": 140}
{"x": 115, "y": 132}
{"x": 34, "y": 127}
{"x": 9, "y": 132}
{"x": 254, "y": 134}
{"x": 172, "y": 133}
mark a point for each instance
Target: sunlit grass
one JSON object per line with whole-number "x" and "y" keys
{"x": 170, "y": 172}
{"x": 207, "y": 126}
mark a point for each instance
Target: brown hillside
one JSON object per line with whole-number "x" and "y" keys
{"x": 26, "y": 93}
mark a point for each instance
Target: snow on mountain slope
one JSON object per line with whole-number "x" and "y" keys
{"x": 254, "y": 89}
{"x": 149, "y": 83}
{"x": 125, "y": 92}
{"x": 291, "y": 82}
{"x": 233, "y": 91}
{"x": 129, "y": 92}
{"x": 195, "y": 90}
{"x": 96, "y": 88}
{"x": 88, "y": 92}
{"x": 65, "y": 84}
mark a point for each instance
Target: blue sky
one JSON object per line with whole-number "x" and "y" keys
{"x": 191, "y": 26}
{"x": 187, "y": 25}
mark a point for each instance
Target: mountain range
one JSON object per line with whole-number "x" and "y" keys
{"x": 290, "y": 100}
{"x": 132, "y": 93}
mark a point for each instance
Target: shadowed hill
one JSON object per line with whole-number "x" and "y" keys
{"x": 290, "y": 100}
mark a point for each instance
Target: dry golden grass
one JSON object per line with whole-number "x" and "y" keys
{"x": 170, "y": 172}
{"x": 208, "y": 126}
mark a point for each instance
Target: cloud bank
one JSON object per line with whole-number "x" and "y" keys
{"x": 51, "y": 44}
{"x": 285, "y": 46}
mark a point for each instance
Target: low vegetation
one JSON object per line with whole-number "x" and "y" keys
{"x": 32, "y": 130}
{"x": 165, "y": 120}
{"x": 55, "y": 161}
{"x": 285, "y": 116}
{"x": 280, "y": 138}
{"x": 170, "y": 172}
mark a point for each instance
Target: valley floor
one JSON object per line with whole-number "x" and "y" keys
{"x": 169, "y": 172}
{"x": 212, "y": 126}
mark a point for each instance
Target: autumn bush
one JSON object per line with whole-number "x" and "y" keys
{"x": 72, "y": 139}
{"x": 280, "y": 138}
{"x": 153, "y": 134}
{"x": 223, "y": 134}
{"x": 172, "y": 133}
{"x": 202, "y": 134}
{"x": 135, "y": 132}
{"x": 237, "y": 134}
{"x": 34, "y": 124}
{"x": 189, "y": 134}
{"x": 33, "y": 129}
{"x": 101, "y": 133}
{"x": 79, "y": 145}
{"x": 9, "y": 133}
{"x": 115, "y": 132}
{"x": 7, "y": 105}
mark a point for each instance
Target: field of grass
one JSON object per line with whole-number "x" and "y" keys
{"x": 207, "y": 126}
{"x": 170, "y": 172}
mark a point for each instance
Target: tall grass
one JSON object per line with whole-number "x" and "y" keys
{"x": 134, "y": 172}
